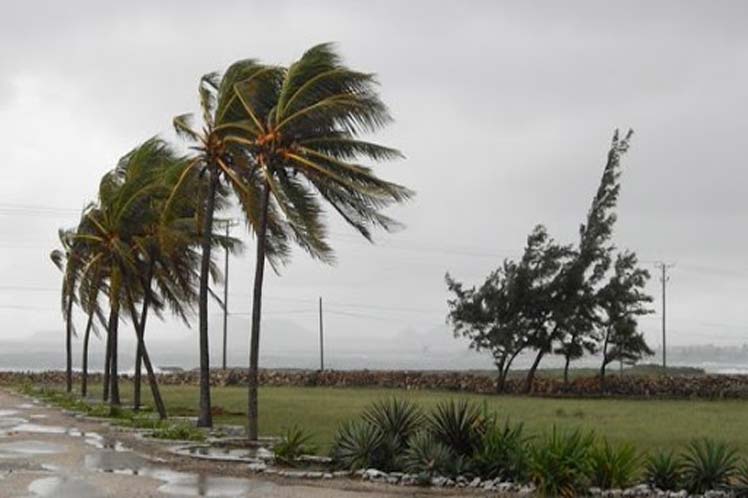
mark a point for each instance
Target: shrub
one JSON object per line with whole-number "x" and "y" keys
{"x": 613, "y": 466}
{"x": 396, "y": 419}
{"x": 426, "y": 455}
{"x": 293, "y": 443}
{"x": 358, "y": 445}
{"x": 559, "y": 463}
{"x": 503, "y": 453}
{"x": 662, "y": 470}
{"x": 179, "y": 431}
{"x": 459, "y": 425}
{"x": 707, "y": 465}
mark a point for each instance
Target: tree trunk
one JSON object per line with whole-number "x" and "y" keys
{"x": 152, "y": 381}
{"x": 84, "y": 360}
{"x": 107, "y": 357}
{"x": 566, "y": 370}
{"x": 531, "y": 374}
{"x": 500, "y": 377}
{"x": 114, "y": 399}
{"x": 69, "y": 346}
{"x": 205, "y": 417}
{"x": 137, "y": 377}
{"x": 254, "y": 349}
{"x": 605, "y": 360}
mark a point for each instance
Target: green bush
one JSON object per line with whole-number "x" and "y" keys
{"x": 358, "y": 445}
{"x": 613, "y": 466}
{"x": 503, "y": 453}
{"x": 662, "y": 470}
{"x": 560, "y": 463}
{"x": 426, "y": 455}
{"x": 707, "y": 465}
{"x": 459, "y": 425}
{"x": 293, "y": 443}
{"x": 179, "y": 431}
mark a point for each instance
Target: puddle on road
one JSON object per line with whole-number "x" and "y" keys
{"x": 40, "y": 429}
{"x": 10, "y": 423}
{"x": 249, "y": 455}
{"x": 26, "y": 406}
{"x": 174, "y": 483}
{"x": 125, "y": 462}
{"x": 8, "y": 413}
{"x": 12, "y": 450}
{"x": 63, "y": 487}
{"x": 184, "y": 484}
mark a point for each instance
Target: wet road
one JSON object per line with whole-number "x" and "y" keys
{"x": 45, "y": 453}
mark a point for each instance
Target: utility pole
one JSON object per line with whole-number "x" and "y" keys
{"x": 664, "y": 279}
{"x": 321, "y": 340}
{"x": 225, "y": 305}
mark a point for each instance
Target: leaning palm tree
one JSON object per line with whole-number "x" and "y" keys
{"x": 301, "y": 130}
{"x": 67, "y": 260}
{"x": 111, "y": 234}
{"x": 222, "y": 159}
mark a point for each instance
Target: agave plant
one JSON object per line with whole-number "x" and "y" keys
{"x": 396, "y": 418}
{"x": 503, "y": 453}
{"x": 662, "y": 470}
{"x": 708, "y": 464}
{"x": 293, "y": 443}
{"x": 358, "y": 445}
{"x": 426, "y": 455}
{"x": 457, "y": 424}
{"x": 613, "y": 466}
{"x": 740, "y": 486}
{"x": 560, "y": 463}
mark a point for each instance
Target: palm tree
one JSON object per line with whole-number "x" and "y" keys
{"x": 67, "y": 261}
{"x": 112, "y": 234}
{"x": 221, "y": 156}
{"x": 301, "y": 130}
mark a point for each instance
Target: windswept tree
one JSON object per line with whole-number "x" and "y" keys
{"x": 507, "y": 314}
{"x": 224, "y": 160}
{"x": 488, "y": 318}
{"x": 283, "y": 139}
{"x": 68, "y": 260}
{"x": 572, "y": 308}
{"x": 305, "y": 124}
{"x": 623, "y": 300}
{"x": 116, "y": 233}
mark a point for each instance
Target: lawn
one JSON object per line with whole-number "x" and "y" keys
{"x": 647, "y": 424}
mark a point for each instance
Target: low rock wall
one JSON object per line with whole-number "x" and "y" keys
{"x": 701, "y": 386}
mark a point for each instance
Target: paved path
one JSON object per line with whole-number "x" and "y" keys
{"x": 46, "y": 453}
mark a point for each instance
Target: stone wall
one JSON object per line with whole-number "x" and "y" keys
{"x": 701, "y": 386}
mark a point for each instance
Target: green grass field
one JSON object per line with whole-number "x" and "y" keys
{"x": 648, "y": 424}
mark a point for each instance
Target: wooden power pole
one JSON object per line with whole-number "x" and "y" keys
{"x": 321, "y": 340}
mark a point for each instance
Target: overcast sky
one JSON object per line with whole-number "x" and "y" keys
{"x": 504, "y": 110}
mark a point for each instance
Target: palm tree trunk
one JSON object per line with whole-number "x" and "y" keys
{"x": 114, "y": 399}
{"x": 205, "y": 417}
{"x": 107, "y": 357}
{"x": 84, "y": 359}
{"x": 137, "y": 378}
{"x": 69, "y": 346}
{"x": 605, "y": 361}
{"x": 254, "y": 348}
{"x": 152, "y": 381}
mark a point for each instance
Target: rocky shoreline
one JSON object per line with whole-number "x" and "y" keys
{"x": 697, "y": 386}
